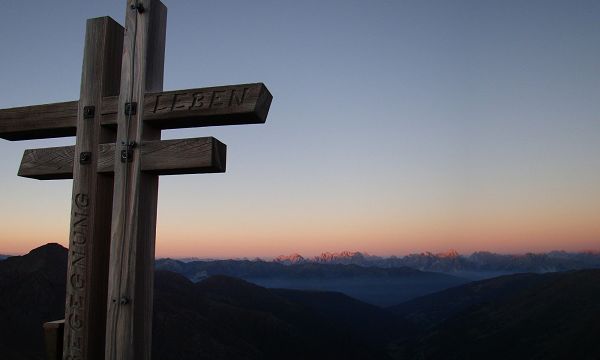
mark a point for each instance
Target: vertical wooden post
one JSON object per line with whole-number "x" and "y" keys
{"x": 131, "y": 270}
{"x": 54, "y": 339}
{"x": 89, "y": 237}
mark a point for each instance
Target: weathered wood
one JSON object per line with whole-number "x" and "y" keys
{"x": 39, "y": 121}
{"x": 53, "y": 339}
{"x": 129, "y": 231}
{"x": 89, "y": 237}
{"x": 213, "y": 106}
{"x": 224, "y": 105}
{"x": 166, "y": 157}
{"x": 131, "y": 268}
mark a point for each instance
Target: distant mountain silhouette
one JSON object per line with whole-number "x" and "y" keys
{"x": 3, "y": 257}
{"x": 479, "y": 264}
{"x": 524, "y": 316}
{"x": 32, "y": 291}
{"x": 378, "y": 286}
{"x": 227, "y": 318}
{"x": 218, "y": 318}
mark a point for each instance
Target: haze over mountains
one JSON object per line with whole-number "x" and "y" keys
{"x": 523, "y": 316}
{"x": 375, "y": 285}
{"x": 221, "y": 318}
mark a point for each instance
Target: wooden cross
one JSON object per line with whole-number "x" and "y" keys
{"x": 115, "y": 165}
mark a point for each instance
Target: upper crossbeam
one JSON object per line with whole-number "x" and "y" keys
{"x": 212, "y": 106}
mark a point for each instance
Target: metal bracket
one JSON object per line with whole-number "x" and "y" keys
{"x": 124, "y": 300}
{"x": 85, "y": 158}
{"x": 130, "y": 108}
{"x": 127, "y": 152}
{"x": 89, "y": 112}
{"x": 138, "y": 6}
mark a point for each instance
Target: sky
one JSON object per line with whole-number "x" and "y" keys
{"x": 396, "y": 126}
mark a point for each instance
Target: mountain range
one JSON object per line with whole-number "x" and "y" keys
{"x": 375, "y": 285}
{"x": 522, "y": 316}
{"x": 219, "y": 318}
{"x": 452, "y": 262}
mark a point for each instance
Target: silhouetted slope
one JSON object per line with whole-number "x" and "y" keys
{"x": 370, "y": 322}
{"x": 227, "y": 318}
{"x": 32, "y": 291}
{"x": 549, "y": 316}
{"x": 218, "y": 318}
{"x": 525, "y": 316}
{"x": 431, "y": 309}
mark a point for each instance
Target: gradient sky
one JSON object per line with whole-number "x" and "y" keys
{"x": 396, "y": 126}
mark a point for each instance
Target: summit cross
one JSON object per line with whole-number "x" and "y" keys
{"x": 115, "y": 165}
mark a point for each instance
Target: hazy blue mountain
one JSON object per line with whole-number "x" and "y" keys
{"x": 3, "y": 257}
{"x": 524, "y": 316}
{"x": 378, "y": 286}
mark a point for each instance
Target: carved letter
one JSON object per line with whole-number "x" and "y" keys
{"x": 198, "y": 100}
{"x": 182, "y": 101}
{"x": 79, "y": 238}
{"x": 239, "y": 100}
{"x": 77, "y": 281}
{"x": 82, "y": 201}
{"x": 76, "y": 301}
{"x": 164, "y": 107}
{"x": 217, "y": 99}
{"x": 77, "y": 258}
{"x": 75, "y": 321}
{"x": 80, "y": 222}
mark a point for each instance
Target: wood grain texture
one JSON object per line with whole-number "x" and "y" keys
{"x": 166, "y": 157}
{"x": 89, "y": 237}
{"x": 131, "y": 268}
{"x": 39, "y": 121}
{"x": 212, "y": 106}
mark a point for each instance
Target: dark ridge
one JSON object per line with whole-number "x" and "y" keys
{"x": 526, "y": 316}
{"x": 219, "y": 318}
{"x": 32, "y": 291}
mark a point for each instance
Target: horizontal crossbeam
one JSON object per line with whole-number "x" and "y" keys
{"x": 161, "y": 157}
{"x": 214, "y": 106}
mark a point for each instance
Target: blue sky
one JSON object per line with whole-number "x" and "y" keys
{"x": 396, "y": 126}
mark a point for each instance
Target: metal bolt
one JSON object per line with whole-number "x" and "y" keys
{"x": 85, "y": 157}
{"x": 137, "y": 6}
{"x": 88, "y": 112}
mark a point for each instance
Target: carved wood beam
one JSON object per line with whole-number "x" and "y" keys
{"x": 213, "y": 106}
{"x": 161, "y": 157}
